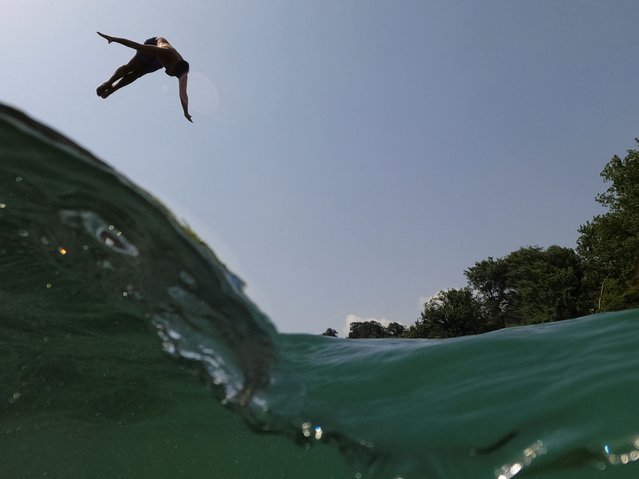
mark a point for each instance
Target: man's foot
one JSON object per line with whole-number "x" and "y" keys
{"x": 107, "y": 92}
{"x": 102, "y": 89}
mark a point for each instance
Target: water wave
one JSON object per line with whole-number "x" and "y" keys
{"x": 110, "y": 310}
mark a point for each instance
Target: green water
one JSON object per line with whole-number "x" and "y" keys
{"x": 128, "y": 350}
{"x": 89, "y": 402}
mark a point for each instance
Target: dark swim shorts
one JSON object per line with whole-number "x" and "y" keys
{"x": 148, "y": 62}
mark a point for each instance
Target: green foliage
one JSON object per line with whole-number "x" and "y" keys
{"x": 547, "y": 284}
{"x": 366, "y": 329}
{"x": 374, "y": 329}
{"x": 609, "y": 244}
{"x": 489, "y": 278}
{"x": 455, "y": 312}
{"x": 395, "y": 330}
{"x": 530, "y": 285}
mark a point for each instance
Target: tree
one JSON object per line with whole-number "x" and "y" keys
{"x": 367, "y": 329}
{"x": 395, "y": 330}
{"x": 489, "y": 279}
{"x": 609, "y": 244}
{"x": 454, "y": 312}
{"x": 374, "y": 329}
{"x": 546, "y": 285}
{"x": 530, "y": 285}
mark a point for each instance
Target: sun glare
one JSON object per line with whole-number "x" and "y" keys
{"x": 203, "y": 96}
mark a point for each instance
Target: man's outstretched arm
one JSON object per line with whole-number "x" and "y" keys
{"x": 184, "y": 99}
{"x": 150, "y": 49}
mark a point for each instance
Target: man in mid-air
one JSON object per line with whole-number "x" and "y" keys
{"x": 154, "y": 54}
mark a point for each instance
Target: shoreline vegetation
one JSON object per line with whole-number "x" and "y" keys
{"x": 535, "y": 285}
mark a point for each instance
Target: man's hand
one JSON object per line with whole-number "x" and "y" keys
{"x": 107, "y": 37}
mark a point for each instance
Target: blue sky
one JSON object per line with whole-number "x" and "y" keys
{"x": 348, "y": 158}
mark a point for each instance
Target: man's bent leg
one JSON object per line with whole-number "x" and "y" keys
{"x": 121, "y": 72}
{"x": 124, "y": 81}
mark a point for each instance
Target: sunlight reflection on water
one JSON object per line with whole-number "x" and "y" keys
{"x": 529, "y": 454}
{"x": 626, "y": 457}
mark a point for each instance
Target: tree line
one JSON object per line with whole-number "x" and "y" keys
{"x": 536, "y": 285}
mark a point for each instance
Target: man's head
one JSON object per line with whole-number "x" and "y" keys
{"x": 180, "y": 68}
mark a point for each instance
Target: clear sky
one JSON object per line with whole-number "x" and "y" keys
{"x": 349, "y": 158}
